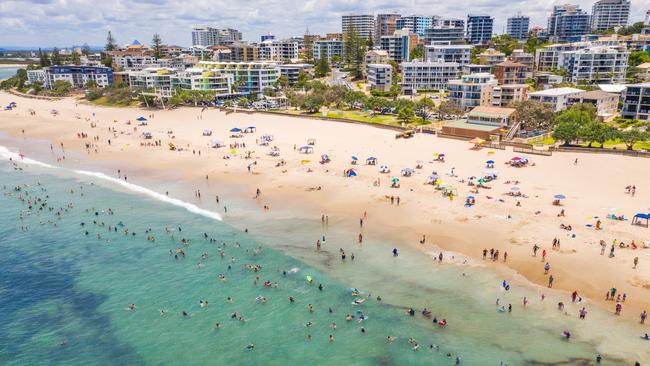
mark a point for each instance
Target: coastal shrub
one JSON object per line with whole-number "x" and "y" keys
{"x": 94, "y": 94}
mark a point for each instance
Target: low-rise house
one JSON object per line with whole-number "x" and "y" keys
{"x": 505, "y": 95}
{"x": 483, "y": 122}
{"x": 606, "y": 103}
{"x": 556, "y": 98}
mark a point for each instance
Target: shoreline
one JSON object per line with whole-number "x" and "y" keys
{"x": 348, "y": 199}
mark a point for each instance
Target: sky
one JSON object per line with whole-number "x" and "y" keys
{"x": 62, "y": 23}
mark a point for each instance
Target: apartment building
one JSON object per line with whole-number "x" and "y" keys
{"x": 479, "y": 29}
{"x": 475, "y": 69}
{"x": 380, "y": 76}
{"x": 469, "y": 91}
{"x": 448, "y": 52}
{"x": 636, "y": 102}
{"x": 327, "y": 48}
{"x": 568, "y": 21}
{"x": 505, "y": 95}
{"x": 427, "y": 75}
{"x": 244, "y": 52}
{"x": 595, "y": 65}
{"x": 292, "y": 71}
{"x": 376, "y": 57}
{"x": 414, "y": 23}
{"x": 399, "y": 45}
{"x": 609, "y": 14}
{"x": 386, "y": 25}
{"x": 363, "y": 24}
{"x": 556, "y": 98}
{"x": 209, "y": 36}
{"x": 491, "y": 57}
{"x": 444, "y": 33}
{"x": 250, "y": 77}
{"x": 508, "y": 72}
{"x": 77, "y": 76}
{"x": 606, "y": 103}
{"x": 517, "y": 27}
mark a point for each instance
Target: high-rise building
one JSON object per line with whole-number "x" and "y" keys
{"x": 608, "y": 14}
{"x": 363, "y": 24}
{"x": 568, "y": 21}
{"x": 386, "y": 25}
{"x": 267, "y": 37}
{"x": 479, "y": 29}
{"x": 442, "y": 33}
{"x": 399, "y": 45}
{"x": 459, "y": 53}
{"x": 415, "y": 23}
{"x": 208, "y": 36}
{"x": 517, "y": 27}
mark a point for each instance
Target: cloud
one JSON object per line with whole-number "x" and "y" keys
{"x": 67, "y": 22}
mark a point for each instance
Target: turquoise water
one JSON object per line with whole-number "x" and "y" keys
{"x": 7, "y": 72}
{"x": 60, "y": 285}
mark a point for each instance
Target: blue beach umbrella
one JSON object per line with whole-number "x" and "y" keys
{"x": 355, "y": 158}
{"x": 490, "y": 162}
{"x": 235, "y": 129}
{"x": 559, "y": 196}
{"x": 141, "y": 119}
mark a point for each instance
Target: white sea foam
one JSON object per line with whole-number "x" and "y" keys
{"x": 5, "y": 153}
{"x": 153, "y": 194}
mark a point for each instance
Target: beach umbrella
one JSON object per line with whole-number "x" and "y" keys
{"x": 559, "y": 196}
{"x": 235, "y": 129}
{"x": 476, "y": 141}
{"x": 394, "y": 180}
{"x": 515, "y": 189}
{"x": 233, "y": 151}
{"x": 354, "y": 158}
{"x": 470, "y": 197}
{"x": 490, "y": 162}
{"x": 305, "y": 161}
{"x": 516, "y": 158}
{"x": 490, "y": 152}
{"x": 141, "y": 118}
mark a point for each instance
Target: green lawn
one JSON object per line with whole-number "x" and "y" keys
{"x": 105, "y": 102}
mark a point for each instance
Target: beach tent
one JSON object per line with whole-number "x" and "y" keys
{"x": 638, "y": 217}
{"x": 306, "y": 149}
{"x": 250, "y": 129}
{"x": 432, "y": 179}
{"x": 235, "y": 129}
{"x": 350, "y": 173}
{"x": 515, "y": 189}
{"x": 407, "y": 172}
{"x": 371, "y": 160}
{"x": 217, "y": 143}
{"x": 267, "y": 137}
{"x": 207, "y": 132}
{"x": 141, "y": 119}
{"x": 384, "y": 169}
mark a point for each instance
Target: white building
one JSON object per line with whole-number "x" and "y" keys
{"x": 208, "y": 36}
{"x": 398, "y": 45}
{"x": 327, "y": 48}
{"x": 427, "y": 75}
{"x": 292, "y": 71}
{"x": 158, "y": 78}
{"x": 77, "y": 76}
{"x": 636, "y": 102}
{"x": 606, "y": 103}
{"x": 380, "y": 76}
{"x": 609, "y": 14}
{"x": 363, "y": 24}
{"x": 36, "y": 76}
{"x": 125, "y": 60}
{"x": 595, "y": 65}
{"x": 285, "y": 50}
{"x": 459, "y": 53}
{"x": 251, "y": 77}
{"x": 556, "y": 98}
{"x": 376, "y": 57}
{"x": 470, "y": 90}
{"x": 213, "y": 80}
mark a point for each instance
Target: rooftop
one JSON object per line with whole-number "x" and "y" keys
{"x": 556, "y": 92}
{"x": 462, "y": 123}
{"x": 508, "y": 63}
{"x": 492, "y": 111}
{"x": 595, "y": 94}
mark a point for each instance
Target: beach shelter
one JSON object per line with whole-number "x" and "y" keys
{"x": 250, "y": 129}
{"x": 371, "y": 160}
{"x": 351, "y": 173}
{"x": 384, "y": 169}
{"x": 515, "y": 189}
{"x": 432, "y": 179}
{"x": 141, "y": 119}
{"x": 636, "y": 220}
{"x": 407, "y": 172}
{"x": 207, "y": 132}
{"x": 8, "y": 108}
{"x": 489, "y": 162}
{"x": 267, "y": 137}
{"x": 306, "y": 149}
{"x": 235, "y": 130}
{"x": 217, "y": 143}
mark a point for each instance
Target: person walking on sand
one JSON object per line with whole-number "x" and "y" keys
{"x": 550, "y": 281}
{"x": 636, "y": 262}
{"x": 643, "y": 316}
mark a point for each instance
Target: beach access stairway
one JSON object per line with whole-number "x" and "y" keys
{"x": 513, "y": 131}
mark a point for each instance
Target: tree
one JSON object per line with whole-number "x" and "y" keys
{"x": 632, "y": 136}
{"x": 44, "y": 60}
{"x": 85, "y": 49}
{"x": 75, "y": 59}
{"x": 635, "y": 28}
{"x": 377, "y": 103}
{"x": 108, "y": 61}
{"x": 354, "y": 51}
{"x": 336, "y": 59}
{"x": 448, "y": 108}
{"x": 566, "y": 131}
{"x": 61, "y": 87}
{"x": 56, "y": 57}
{"x": 283, "y": 82}
{"x": 637, "y": 58}
{"x": 156, "y": 42}
{"x": 322, "y": 68}
{"x": 505, "y": 43}
{"x": 570, "y": 123}
{"x": 534, "y": 115}
{"x": 405, "y": 115}
{"x": 312, "y": 102}
{"x": 423, "y": 105}
{"x": 533, "y": 42}
{"x": 110, "y": 42}
{"x": 417, "y": 52}
{"x": 352, "y": 98}
{"x": 309, "y": 48}
{"x": 90, "y": 84}
{"x": 335, "y": 94}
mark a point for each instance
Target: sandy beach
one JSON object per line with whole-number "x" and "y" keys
{"x": 594, "y": 186}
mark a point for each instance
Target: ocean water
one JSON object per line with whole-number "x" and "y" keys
{"x": 7, "y": 72}
{"x": 64, "y": 294}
